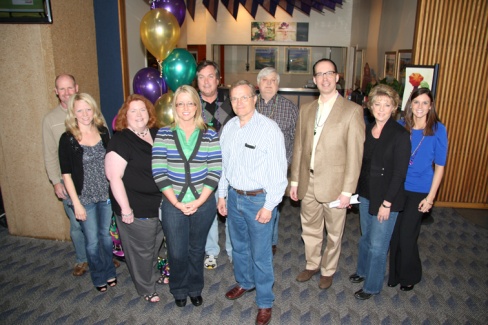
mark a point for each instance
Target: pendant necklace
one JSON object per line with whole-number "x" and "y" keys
{"x": 140, "y": 134}
{"x": 275, "y": 104}
{"x": 317, "y": 121}
{"x": 414, "y": 153}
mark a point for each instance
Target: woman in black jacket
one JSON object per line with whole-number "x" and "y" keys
{"x": 81, "y": 158}
{"x": 380, "y": 187}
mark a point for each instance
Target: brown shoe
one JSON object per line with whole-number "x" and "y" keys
{"x": 80, "y": 269}
{"x": 325, "y": 282}
{"x": 306, "y": 275}
{"x": 264, "y": 316}
{"x": 273, "y": 249}
{"x": 116, "y": 263}
{"x": 236, "y": 292}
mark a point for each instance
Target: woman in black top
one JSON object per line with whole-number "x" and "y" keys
{"x": 81, "y": 156}
{"x": 135, "y": 196}
{"x": 380, "y": 187}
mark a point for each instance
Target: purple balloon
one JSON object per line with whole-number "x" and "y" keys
{"x": 148, "y": 83}
{"x": 176, "y": 7}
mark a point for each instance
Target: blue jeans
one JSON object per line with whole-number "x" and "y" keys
{"x": 276, "y": 217}
{"x": 212, "y": 246}
{"x": 76, "y": 234}
{"x": 185, "y": 238}
{"x": 251, "y": 243}
{"x": 96, "y": 229}
{"x": 373, "y": 247}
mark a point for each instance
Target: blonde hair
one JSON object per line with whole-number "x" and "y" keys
{"x": 384, "y": 90}
{"x": 185, "y": 89}
{"x": 71, "y": 122}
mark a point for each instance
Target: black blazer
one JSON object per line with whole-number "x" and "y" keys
{"x": 389, "y": 164}
{"x": 71, "y": 156}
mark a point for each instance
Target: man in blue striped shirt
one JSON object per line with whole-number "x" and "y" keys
{"x": 253, "y": 181}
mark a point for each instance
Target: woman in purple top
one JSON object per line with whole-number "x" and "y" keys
{"x": 429, "y": 147}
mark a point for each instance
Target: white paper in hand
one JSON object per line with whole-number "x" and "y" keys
{"x": 354, "y": 200}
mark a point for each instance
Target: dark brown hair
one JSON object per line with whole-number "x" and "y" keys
{"x": 432, "y": 118}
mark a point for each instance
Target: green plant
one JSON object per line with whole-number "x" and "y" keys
{"x": 393, "y": 83}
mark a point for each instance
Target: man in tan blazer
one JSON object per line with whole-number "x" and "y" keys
{"x": 327, "y": 155}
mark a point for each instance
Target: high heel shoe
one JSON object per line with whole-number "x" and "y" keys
{"x": 102, "y": 288}
{"x": 112, "y": 282}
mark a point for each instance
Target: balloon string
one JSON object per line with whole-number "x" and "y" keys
{"x": 160, "y": 65}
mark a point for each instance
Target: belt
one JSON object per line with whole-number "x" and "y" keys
{"x": 311, "y": 171}
{"x": 249, "y": 193}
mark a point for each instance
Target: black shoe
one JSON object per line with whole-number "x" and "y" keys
{"x": 196, "y": 301}
{"x": 406, "y": 288}
{"x": 356, "y": 278}
{"x": 392, "y": 285}
{"x": 180, "y": 302}
{"x": 361, "y": 295}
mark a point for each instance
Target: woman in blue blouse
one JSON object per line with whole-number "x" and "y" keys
{"x": 186, "y": 166}
{"x": 429, "y": 147}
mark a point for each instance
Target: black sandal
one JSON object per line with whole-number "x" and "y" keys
{"x": 102, "y": 288}
{"x": 149, "y": 298}
{"x": 112, "y": 283}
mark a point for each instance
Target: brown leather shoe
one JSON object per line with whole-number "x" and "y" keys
{"x": 80, "y": 269}
{"x": 306, "y": 275}
{"x": 273, "y": 249}
{"x": 116, "y": 263}
{"x": 236, "y": 292}
{"x": 325, "y": 282}
{"x": 264, "y": 316}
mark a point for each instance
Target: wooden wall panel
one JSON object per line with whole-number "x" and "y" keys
{"x": 454, "y": 33}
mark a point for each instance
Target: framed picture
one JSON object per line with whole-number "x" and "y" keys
{"x": 420, "y": 76}
{"x": 390, "y": 65}
{"x": 358, "y": 68}
{"x": 404, "y": 58}
{"x": 26, "y": 12}
{"x": 265, "y": 56}
{"x": 298, "y": 60}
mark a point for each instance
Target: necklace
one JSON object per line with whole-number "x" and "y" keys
{"x": 317, "y": 121}
{"x": 261, "y": 109}
{"x": 140, "y": 134}
{"x": 414, "y": 153}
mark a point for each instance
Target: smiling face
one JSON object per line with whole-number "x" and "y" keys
{"x": 185, "y": 107}
{"x": 65, "y": 87}
{"x": 326, "y": 84}
{"x": 207, "y": 83}
{"x": 268, "y": 86}
{"x": 137, "y": 116}
{"x": 242, "y": 103}
{"x": 421, "y": 106}
{"x": 83, "y": 113}
{"x": 382, "y": 108}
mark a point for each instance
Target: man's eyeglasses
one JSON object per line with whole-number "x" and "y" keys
{"x": 328, "y": 74}
{"x": 243, "y": 99}
{"x": 181, "y": 104}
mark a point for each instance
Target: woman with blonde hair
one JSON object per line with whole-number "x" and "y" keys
{"x": 186, "y": 165}
{"x": 81, "y": 158}
{"x": 135, "y": 196}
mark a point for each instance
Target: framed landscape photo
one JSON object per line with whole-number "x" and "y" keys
{"x": 298, "y": 60}
{"x": 404, "y": 58}
{"x": 390, "y": 65}
{"x": 265, "y": 56}
{"x": 420, "y": 76}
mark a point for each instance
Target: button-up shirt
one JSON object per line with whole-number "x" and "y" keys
{"x": 253, "y": 158}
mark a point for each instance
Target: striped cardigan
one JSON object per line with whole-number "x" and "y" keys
{"x": 170, "y": 168}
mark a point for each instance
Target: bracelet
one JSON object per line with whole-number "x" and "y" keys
{"x": 428, "y": 202}
{"x": 385, "y": 206}
{"x": 128, "y": 214}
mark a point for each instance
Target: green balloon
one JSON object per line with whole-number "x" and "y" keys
{"x": 179, "y": 69}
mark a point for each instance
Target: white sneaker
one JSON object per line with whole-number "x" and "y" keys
{"x": 210, "y": 262}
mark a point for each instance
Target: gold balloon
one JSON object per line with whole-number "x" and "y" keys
{"x": 164, "y": 109}
{"x": 160, "y": 32}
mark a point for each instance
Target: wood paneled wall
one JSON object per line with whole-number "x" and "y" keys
{"x": 454, "y": 33}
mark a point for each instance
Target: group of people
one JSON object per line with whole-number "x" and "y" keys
{"x": 236, "y": 155}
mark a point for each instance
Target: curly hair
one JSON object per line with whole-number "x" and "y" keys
{"x": 121, "y": 121}
{"x": 71, "y": 122}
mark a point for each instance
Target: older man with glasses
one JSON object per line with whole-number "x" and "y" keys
{"x": 253, "y": 181}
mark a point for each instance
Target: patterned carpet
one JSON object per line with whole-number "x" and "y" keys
{"x": 36, "y": 285}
